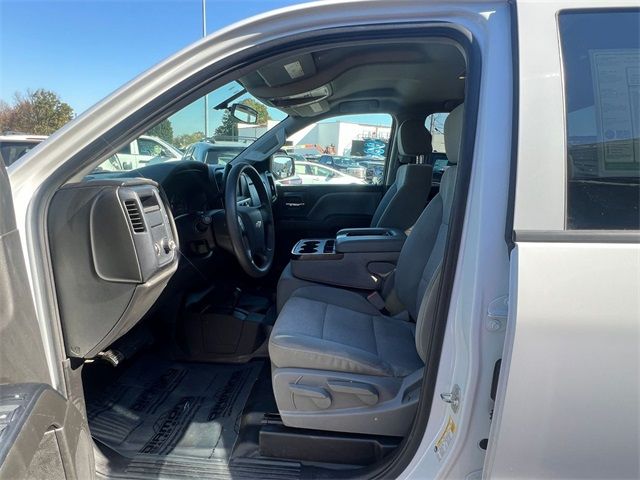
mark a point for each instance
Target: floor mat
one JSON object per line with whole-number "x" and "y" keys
{"x": 160, "y": 468}
{"x": 163, "y": 411}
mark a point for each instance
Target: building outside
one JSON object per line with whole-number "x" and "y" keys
{"x": 334, "y": 137}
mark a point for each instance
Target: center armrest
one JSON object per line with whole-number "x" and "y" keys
{"x": 358, "y": 258}
{"x": 366, "y": 240}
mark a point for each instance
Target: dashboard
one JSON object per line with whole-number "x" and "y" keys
{"x": 194, "y": 193}
{"x": 126, "y": 232}
{"x": 191, "y": 191}
{"x": 113, "y": 248}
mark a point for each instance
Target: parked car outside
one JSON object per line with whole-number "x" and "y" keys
{"x": 344, "y": 164}
{"x": 312, "y": 173}
{"x": 15, "y": 145}
{"x": 374, "y": 170}
{"x": 440, "y": 163}
{"x": 297, "y": 157}
{"x": 146, "y": 150}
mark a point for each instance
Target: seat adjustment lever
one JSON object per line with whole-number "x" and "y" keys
{"x": 365, "y": 392}
{"x": 318, "y": 395}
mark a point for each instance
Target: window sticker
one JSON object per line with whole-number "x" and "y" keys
{"x": 616, "y": 78}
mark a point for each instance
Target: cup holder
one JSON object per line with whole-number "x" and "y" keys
{"x": 309, "y": 246}
{"x": 314, "y": 247}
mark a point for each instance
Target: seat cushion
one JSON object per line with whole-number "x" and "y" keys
{"x": 325, "y": 328}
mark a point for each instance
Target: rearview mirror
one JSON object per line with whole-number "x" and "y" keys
{"x": 243, "y": 113}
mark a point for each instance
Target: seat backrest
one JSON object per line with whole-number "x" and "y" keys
{"x": 408, "y": 195}
{"x": 421, "y": 256}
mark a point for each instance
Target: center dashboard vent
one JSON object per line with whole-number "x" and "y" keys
{"x": 135, "y": 216}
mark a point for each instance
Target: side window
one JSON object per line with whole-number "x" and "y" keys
{"x": 435, "y": 125}
{"x": 438, "y": 159}
{"x": 601, "y": 55}
{"x": 344, "y": 150}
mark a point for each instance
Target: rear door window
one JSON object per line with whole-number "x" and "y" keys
{"x": 438, "y": 158}
{"x": 601, "y": 55}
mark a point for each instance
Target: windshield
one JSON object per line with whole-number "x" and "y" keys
{"x": 205, "y": 131}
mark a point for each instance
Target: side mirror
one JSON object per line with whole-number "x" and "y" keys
{"x": 244, "y": 114}
{"x": 282, "y": 167}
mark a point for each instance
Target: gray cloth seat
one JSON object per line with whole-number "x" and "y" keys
{"x": 408, "y": 195}
{"x": 338, "y": 362}
{"x": 338, "y": 330}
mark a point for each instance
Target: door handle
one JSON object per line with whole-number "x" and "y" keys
{"x": 294, "y": 204}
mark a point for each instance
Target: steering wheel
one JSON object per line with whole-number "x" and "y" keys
{"x": 251, "y": 228}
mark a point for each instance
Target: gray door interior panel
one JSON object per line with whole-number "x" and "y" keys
{"x": 43, "y": 435}
{"x": 326, "y": 209}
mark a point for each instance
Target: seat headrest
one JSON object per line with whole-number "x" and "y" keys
{"x": 413, "y": 138}
{"x": 453, "y": 133}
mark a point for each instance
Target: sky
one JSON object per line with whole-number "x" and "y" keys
{"x": 85, "y": 49}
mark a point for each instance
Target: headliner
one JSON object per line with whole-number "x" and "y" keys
{"x": 369, "y": 78}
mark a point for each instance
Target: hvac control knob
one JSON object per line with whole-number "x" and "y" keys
{"x": 167, "y": 245}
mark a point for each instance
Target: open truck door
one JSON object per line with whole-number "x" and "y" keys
{"x": 42, "y": 433}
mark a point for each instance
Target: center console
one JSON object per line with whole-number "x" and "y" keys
{"x": 356, "y": 258}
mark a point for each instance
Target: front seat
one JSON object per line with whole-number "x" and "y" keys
{"x": 405, "y": 199}
{"x": 340, "y": 364}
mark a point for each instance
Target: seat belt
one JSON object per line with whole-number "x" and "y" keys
{"x": 375, "y": 299}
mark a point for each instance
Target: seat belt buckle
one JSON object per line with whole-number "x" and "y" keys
{"x": 375, "y": 299}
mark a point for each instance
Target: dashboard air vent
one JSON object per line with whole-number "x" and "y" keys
{"x": 135, "y": 216}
